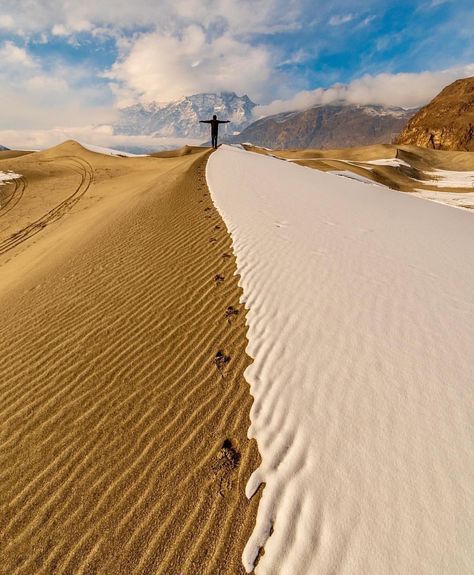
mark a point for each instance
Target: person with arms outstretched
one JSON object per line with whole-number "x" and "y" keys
{"x": 214, "y": 128}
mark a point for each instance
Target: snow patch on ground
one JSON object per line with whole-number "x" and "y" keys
{"x": 460, "y": 200}
{"x": 109, "y": 151}
{"x": 361, "y": 323}
{"x": 6, "y": 176}
{"x": 354, "y": 176}
{"x": 394, "y": 162}
{"x": 449, "y": 179}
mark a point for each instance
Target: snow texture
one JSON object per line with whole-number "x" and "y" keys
{"x": 393, "y": 162}
{"x": 354, "y": 176}
{"x": 449, "y": 179}
{"x": 6, "y": 176}
{"x": 459, "y": 200}
{"x": 361, "y": 323}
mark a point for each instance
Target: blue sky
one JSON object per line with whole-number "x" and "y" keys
{"x": 73, "y": 63}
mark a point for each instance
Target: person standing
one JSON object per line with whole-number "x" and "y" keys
{"x": 214, "y": 128}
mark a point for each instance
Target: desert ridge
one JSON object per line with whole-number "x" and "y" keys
{"x": 143, "y": 295}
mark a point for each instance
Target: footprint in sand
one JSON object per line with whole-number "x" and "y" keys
{"x": 230, "y": 312}
{"x": 226, "y": 462}
{"x": 228, "y": 457}
{"x": 221, "y": 360}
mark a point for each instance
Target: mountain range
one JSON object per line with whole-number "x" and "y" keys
{"x": 324, "y": 126}
{"x": 337, "y": 125}
{"x": 180, "y": 119}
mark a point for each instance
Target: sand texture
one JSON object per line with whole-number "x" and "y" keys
{"x": 123, "y": 408}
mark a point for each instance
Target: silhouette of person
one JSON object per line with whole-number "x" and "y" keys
{"x": 214, "y": 128}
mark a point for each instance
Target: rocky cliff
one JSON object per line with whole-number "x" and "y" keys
{"x": 447, "y": 122}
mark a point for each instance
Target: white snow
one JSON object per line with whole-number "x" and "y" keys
{"x": 394, "y": 162}
{"x": 450, "y": 179}
{"x": 6, "y": 176}
{"x": 361, "y": 326}
{"x": 109, "y": 151}
{"x": 354, "y": 176}
{"x": 460, "y": 200}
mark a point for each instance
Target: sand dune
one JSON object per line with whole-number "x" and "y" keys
{"x": 123, "y": 408}
{"x": 123, "y": 405}
{"x": 8, "y": 154}
{"x": 183, "y": 151}
{"x": 403, "y": 168}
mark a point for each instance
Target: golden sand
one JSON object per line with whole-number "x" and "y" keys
{"x": 123, "y": 408}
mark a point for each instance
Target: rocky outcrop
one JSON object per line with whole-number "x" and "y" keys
{"x": 447, "y": 122}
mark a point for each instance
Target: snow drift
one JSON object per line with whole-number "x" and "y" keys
{"x": 361, "y": 323}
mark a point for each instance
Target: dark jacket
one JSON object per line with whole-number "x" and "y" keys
{"x": 214, "y": 125}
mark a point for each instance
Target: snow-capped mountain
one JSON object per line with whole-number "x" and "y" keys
{"x": 181, "y": 118}
{"x": 337, "y": 125}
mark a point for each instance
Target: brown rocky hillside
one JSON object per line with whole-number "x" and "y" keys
{"x": 447, "y": 122}
{"x": 338, "y": 125}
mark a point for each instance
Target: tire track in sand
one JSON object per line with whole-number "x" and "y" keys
{"x": 15, "y": 195}
{"x": 85, "y": 171}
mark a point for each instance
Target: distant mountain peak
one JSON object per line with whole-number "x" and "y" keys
{"x": 335, "y": 125}
{"x": 180, "y": 118}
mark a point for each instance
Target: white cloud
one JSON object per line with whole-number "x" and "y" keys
{"x": 59, "y": 30}
{"x": 366, "y": 21}
{"x": 435, "y": 3}
{"x": 171, "y": 48}
{"x": 71, "y": 27}
{"x": 243, "y": 17}
{"x": 188, "y": 46}
{"x": 163, "y": 66}
{"x": 406, "y": 90}
{"x": 6, "y": 21}
{"x": 35, "y": 97}
{"x": 340, "y": 19}
{"x": 13, "y": 56}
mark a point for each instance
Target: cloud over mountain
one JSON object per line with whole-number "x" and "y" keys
{"x": 67, "y": 63}
{"x": 194, "y": 63}
{"x": 407, "y": 90}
